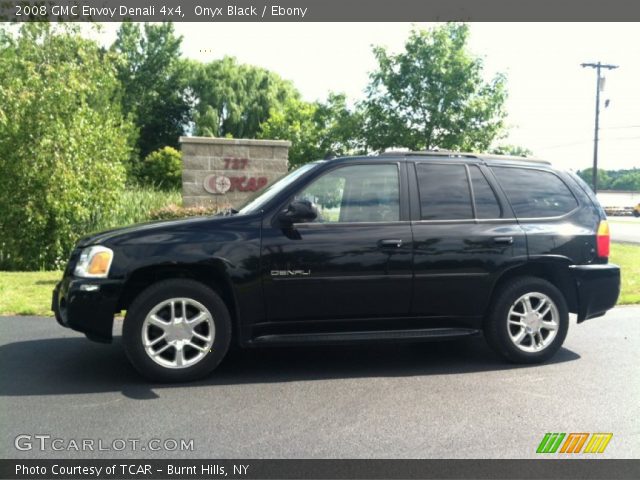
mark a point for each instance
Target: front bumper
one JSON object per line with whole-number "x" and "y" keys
{"x": 87, "y": 305}
{"x": 598, "y": 288}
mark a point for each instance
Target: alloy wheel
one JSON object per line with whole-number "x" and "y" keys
{"x": 533, "y": 322}
{"x": 178, "y": 333}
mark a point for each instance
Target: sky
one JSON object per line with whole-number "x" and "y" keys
{"x": 551, "y": 104}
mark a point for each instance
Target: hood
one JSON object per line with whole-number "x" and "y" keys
{"x": 143, "y": 229}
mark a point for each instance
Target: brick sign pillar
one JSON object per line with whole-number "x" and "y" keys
{"x": 224, "y": 172}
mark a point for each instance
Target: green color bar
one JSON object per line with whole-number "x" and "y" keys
{"x": 543, "y": 443}
{"x": 557, "y": 444}
{"x": 550, "y": 443}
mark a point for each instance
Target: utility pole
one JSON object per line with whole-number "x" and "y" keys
{"x": 598, "y": 66}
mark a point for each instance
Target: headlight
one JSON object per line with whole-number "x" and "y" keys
{"x": 94, "y": 262}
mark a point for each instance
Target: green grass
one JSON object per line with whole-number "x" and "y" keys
{"x": 29, "y": 293}
{"x": 628, "y": 257}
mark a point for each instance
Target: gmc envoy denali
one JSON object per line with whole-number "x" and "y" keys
{"x": 398, "y": 247}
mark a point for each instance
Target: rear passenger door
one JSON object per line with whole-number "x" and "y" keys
{"x": 464, "y": 233}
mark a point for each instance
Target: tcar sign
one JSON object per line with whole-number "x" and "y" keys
{"x": 220, "y": 184}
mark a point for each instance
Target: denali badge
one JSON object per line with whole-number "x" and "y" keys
{"x": 290, "y": 273}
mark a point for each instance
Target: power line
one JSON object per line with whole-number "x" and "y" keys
{"x": 620, "y": 127}
{"x": 581, "y": 142}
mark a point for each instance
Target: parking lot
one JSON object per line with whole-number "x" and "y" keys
{"x": 452, "y": 399}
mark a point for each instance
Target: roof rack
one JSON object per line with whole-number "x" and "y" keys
{"x": 513, "y": 158}
{"x": 453, "y": 154}
{"x": 437, "y": 153}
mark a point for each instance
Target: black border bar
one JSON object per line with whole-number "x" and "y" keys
{"x": 323, "y": 10}
{"x": 322, "y": 469}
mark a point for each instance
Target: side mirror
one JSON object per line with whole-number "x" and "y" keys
{"x": 297, "y": 212}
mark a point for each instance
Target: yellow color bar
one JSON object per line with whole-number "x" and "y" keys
{"x": 598, "y": 442}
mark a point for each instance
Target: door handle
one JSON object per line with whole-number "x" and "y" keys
{"x": 390, "y": 243}
{"x": 503, "y": 240}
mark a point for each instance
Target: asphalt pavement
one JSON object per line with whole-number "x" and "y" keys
{"x": 431, "y": 400}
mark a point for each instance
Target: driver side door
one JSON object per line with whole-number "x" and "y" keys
{"x": 354, "y": 260}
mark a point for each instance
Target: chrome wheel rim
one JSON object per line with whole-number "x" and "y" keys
{"x": 533, "y": 322}
{"x": 178, "y": 333}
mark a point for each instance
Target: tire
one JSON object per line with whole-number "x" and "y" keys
{"x": 636, "y": 213}
{"x": 164, "y": 344}
{"x": 508, "y": 321}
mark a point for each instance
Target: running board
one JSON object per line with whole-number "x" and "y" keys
{"x": 377, "y": 335}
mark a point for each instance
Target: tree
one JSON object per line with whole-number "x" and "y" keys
{"x": 234, "y": 99}
{"x": 340, "y": 126}
{"x": 295, "y": 121}
{"x": 513, "y": 150}
{"x": 155, "y": 83}
{"x": 64, "y": 142}
{"x": 432, "y": 95}
{"x": 629, "y": 180}
{"x": 604, "y": 180}
{"x": 316, "y": 130}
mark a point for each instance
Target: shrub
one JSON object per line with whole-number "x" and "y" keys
{"x": 64, "y": 142}
{"x": 135, "y": 206}
{"x": 172, "y": 212}
{"x": 162, "y": 169}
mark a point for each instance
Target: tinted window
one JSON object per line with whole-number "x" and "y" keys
{"x": 358, "y": 193}
{"x": 444, "y": 192}
{"x": 487, "y": 205}
{"x": 535, "y": 193}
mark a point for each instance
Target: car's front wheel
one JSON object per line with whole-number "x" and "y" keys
{"x": 176, "y": 330}
{"x": 528, "y": 321}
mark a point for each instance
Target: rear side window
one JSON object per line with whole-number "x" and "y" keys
{"x": 444, "y": 192}
{"x": 487, "y": 205}
{"x": 535, "y": 193}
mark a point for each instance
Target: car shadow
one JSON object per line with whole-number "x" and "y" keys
{"x": 74, "y": 365}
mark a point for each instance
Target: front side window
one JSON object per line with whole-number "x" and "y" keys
{"x": 357, "y": 193}
{"x": 261, "y": 198}
{"x": 444, "y": 192}
{"x": 535, "y": 193}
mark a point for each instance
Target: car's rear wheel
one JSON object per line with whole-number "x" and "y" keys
{"x": 528, "y": 321}
{"x": 177, "y": 330}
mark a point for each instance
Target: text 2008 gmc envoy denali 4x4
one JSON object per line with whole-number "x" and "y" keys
{"x": 402, "y": 246}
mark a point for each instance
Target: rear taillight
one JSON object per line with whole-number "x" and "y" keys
{"x": 603, "y": 239}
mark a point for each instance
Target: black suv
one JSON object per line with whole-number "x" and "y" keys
{"x": 398, "y": 247}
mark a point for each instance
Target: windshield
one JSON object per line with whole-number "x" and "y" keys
{"x": 258, "y": 202}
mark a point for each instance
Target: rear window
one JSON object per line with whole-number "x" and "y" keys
{"x": 444, "y": 192}
{"x": 535, "y": 193}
